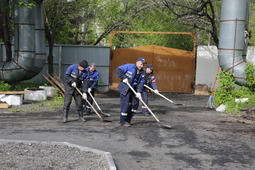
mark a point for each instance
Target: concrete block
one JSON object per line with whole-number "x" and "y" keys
{"x": 38, "y": 94}
{"x": 49, "y": 90}
{"x": 11, "y": 99}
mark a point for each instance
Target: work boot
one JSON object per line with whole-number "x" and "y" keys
{"x": 80, "y": 112}
{"x": 65, "y": 115}
{"x": 126, "y": 124}
{"x": 145, "y": 112}
{"x": 88, "y": 110}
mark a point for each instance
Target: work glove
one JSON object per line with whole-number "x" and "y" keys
{"x": 138, "y": 95}
{"x": 125, "y": 81}
{"x": 73, "y": 85}
{"x": 84, "y": 96}
{"x": 156, "y": 91}
{"x": 89, "y": 90}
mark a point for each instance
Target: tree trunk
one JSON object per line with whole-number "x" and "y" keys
{"x": 50, "y": 59}
{"x": 5, "y": 20}
{"x": 49, "y": 37}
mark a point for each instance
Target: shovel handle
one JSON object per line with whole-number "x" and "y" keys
{"x": 160, "y": 94}
{"x": 143, "y": 102}
{"x": 89, "y": 104}
{"x": 94, "y": 101}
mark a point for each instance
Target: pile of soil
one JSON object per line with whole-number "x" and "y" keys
{"x": 21, "y": 156}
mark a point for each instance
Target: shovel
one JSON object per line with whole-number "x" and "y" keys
{"x": 162, "y": 125}
{"x": 163, "y": 96}
{"x": 105, "y": 114}
{"x": 92, "y": 107}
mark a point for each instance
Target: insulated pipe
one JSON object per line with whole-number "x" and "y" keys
{"x": 233, "y": 20}
{"x": 29, "y": 44}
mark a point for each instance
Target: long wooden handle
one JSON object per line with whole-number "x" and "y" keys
{"x": 89, "y": 104}
{"x": 160, "y": 94}
{"x": 94, "y": 101}
{"x": 143, "y": 103}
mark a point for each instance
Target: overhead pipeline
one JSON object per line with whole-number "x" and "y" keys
{"x": 29, "y": 44}
{"x": 232, "y": 40}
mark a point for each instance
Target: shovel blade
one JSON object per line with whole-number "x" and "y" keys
{"x": 179, "y": 104}
{"x": 106, "y": 120}
{"x": 165, "y": 126}
{"x": 105, "y": 114}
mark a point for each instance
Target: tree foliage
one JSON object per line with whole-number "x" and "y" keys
{"x": 228, "y": 92}
{"x": 89, "y": 22}
{"x": 118, "y": 15}
{"x": 6, "y": 26}
{"x": 201, "y": 15}
{"x": 252, "y": 23}
{"x": 250, "y": 78}
{"x": 155, "y": 19}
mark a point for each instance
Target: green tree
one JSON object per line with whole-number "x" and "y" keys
{"x": 7, "y": 24}
{"x": 6, "y": 20}
{"x": 252, "y": 23}
{"x": 200, "y": 15}
{"x": 155, "y": 19}
{"x": 55, "y": 23}
{"x": 250, "y": 78}
{"x": 117, "y": 15}
{"x": 82, "y": 16}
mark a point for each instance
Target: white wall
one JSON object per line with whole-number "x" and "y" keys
{"x": 207, "y": 63}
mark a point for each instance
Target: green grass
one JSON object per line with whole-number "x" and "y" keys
{"x": 15, "y": 110}
{"x": 49, "y": 104}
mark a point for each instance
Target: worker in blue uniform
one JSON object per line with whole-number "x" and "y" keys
{"x": 91, "y": 83}
{"x": 150, "y": 80}
{"x": 74, "y": 77}
{"x": 129, "y": 103}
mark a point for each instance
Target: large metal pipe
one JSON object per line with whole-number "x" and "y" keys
{"x": 231, "y": 50}
{"x": 29, "y": 44}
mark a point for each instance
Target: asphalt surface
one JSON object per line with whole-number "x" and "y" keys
{"x": 200, "y": 139}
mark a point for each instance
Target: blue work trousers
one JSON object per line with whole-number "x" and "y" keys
{"x": 128, "y": 106}
{"x": 86, "y": 106}
{"x": 145, "y": 99}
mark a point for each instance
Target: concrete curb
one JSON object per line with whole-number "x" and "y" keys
{"x": 107, "y": 155}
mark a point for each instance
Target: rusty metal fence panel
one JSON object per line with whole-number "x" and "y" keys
{"x": 174, "y": 69}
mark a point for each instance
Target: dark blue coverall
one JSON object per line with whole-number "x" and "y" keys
{"x": 91, "y": 82}
{"x": 128, "y": 101}
{"x": 150, "y": 81}
{"x": 72, "y": 74}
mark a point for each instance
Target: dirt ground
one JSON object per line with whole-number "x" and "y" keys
{"x": 201, "y": 138}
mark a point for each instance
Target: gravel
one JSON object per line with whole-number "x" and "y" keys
{"x": 21, "y": 156}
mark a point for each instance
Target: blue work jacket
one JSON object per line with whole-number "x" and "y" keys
{"x": 72, "y": 74}
{"x": 92, "y": 78}
{"x": 135, "y": 78}
{"x": 150, "y": 80}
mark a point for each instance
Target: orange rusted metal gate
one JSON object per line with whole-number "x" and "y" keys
{"x": 174, "y": 68}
